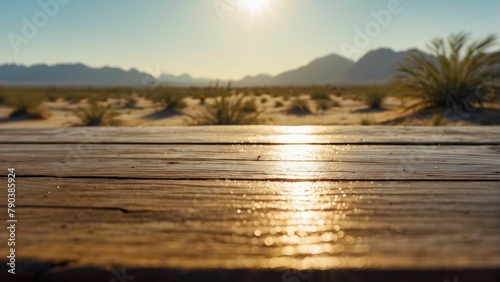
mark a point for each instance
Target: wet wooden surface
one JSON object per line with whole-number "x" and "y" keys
{"x": 239, "y": 202}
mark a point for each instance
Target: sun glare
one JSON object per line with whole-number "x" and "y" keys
{"x": 258, "y": 12}
{"x": 256, "y": 5}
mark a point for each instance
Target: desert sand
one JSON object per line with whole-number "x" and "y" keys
{"x": 347, "y": 112}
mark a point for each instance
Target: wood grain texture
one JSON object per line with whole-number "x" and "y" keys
{"x": 261, "y": 162}
{"x": 260, "y": 225}
{"x": 486, "y": 135}
{"x": 252, "y": 198}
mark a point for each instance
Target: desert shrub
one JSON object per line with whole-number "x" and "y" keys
{"x": 28, "y": 106}
{"x": 374, "y": 98}
{"x": 336, "y": 104}
{"x": 299, "y": 106}
{"x": 246, "y": 92}
{"x": 101, "y": 98}
{"x": 130, "y": 101}
{"x": 323, "y": 105}
{"x": 263, "y": 100}
{"x": 39, "y": 113}
{"x": 320, "y": 96}
{"x": 74, "y": 98}
{"x": 457, "y": 70}
{"x": 203, "y": 99}
{"x": 51, "y": 97}
{"x": 278, "y": 104}
{"x": 227, "y": 110}
{"x": 250, "y": 106}
{"x": 276, "y": 92}
{"x": 170, "y": 99}
{"x": 98, "y": 114}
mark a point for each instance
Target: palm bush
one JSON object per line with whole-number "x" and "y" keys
{"x": 455, "y": 74}
{"x": 98, "y": 114}
{"x": 228, "y": 110}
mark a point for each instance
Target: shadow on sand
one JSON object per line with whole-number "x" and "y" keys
{"x": 297, "y": 112}
{"x": 162, "y": 114}
{"x": 369, "y": 111}
{"x": 473, "y": 117}
{"x": 16, "y": 118}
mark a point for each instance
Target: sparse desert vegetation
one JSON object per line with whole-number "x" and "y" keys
{"x": 323, "y": 105}
{"x": 29, "y": 107}
{"x": 98, "y": 114}
{"x": 250, "y": 106}
{"x": 169, "y": 106}
{"x": 320, "y": 96}
{"x": 170, "y": 99}
{"x": 375, "y": 97}
{"x": 228, "y": 110}
{"x": 300, "y": 106}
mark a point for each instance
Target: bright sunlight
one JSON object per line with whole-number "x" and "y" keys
{"x": 256, "y": 5}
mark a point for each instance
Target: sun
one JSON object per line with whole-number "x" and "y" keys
{"x": 256, "y": 5}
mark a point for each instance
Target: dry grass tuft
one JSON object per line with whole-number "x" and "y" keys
{"x": 98, "y": 114}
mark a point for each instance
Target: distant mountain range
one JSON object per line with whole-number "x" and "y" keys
{"x": 377, "y": 66}
{"x": 70, "y": 75}
{"x": 326, "y": 70}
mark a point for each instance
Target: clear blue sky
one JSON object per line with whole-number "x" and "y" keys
{"x": 188, "y": 36}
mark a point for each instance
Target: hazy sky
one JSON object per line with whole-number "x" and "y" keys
{"x": 189, "y": 36}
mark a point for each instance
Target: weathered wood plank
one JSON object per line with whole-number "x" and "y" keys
{"x": 259, "y": 225}
{"x": 246, "y": 152}
{"x": 284, "y": 162}
{"x": 135, "y": 195}
{"x": 362, "y": 198}
{"x": 257, "y": 134}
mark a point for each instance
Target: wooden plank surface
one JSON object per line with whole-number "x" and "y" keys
{"x": 256, "y": 198}
{"x": 257, "y": 134}
{"x": 247, "y": 224}
{"x": 257, "y": 162}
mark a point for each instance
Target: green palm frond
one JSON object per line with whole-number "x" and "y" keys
{"x": 456, "y": 71}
